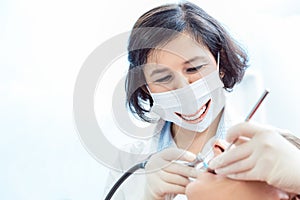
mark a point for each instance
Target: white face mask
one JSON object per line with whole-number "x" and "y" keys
{"x": 194, "y": 106}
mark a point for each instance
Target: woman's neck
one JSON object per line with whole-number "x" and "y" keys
{"x": 191, "y": 140}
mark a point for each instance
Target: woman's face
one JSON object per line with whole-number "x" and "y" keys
{"x": 177, "y": 64}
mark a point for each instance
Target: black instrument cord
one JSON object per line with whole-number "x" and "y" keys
{"x": 124, "y": 177}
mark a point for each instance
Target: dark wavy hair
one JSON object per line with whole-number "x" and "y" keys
{"x": 151, "y": 31}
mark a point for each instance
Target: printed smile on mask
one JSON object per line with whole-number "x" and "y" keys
{"x": 198, "y": 116}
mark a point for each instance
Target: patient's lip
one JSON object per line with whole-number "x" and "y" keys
{"x": 211, "y": 171}
{"x": 218, "y": 148}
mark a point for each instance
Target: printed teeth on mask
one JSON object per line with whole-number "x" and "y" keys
{"x": 196, "y": 116}
{"x": 203, "y": 109}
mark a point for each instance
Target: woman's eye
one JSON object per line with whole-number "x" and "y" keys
{"x": 194, "y": 69}
{"x": 164, "y": 79}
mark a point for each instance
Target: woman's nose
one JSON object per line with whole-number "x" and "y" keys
{"x": 182, "y": 81}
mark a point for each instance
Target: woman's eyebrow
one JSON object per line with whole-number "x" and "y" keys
{"x": 194, "y": 59}
{"x": 156, "y": 71}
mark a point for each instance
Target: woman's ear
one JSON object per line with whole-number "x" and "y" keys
{"x": 145, "y": 89}
{"x": 222, "y": 74}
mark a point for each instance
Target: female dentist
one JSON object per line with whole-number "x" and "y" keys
{"x": 181, "y": 62}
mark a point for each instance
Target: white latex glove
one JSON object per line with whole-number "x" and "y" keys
{"x": 165, "y": 176}
{"x": 267, "y": 156}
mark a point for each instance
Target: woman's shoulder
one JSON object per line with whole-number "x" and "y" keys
{"x": 149, "y": 143}
{"x": 139, "y": 149}
{"x": 140, "y": 146}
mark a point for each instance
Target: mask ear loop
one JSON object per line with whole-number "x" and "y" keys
{"x": 221, "y": 74}
{"x": 218, "y": 61}
{"x": 154, "y": 117}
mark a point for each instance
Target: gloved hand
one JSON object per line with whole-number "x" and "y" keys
{"x": 266, "y": 156}
{"x": 166, "y": 176}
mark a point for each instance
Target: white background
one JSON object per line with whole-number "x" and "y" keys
{"x": 42, "y": 47}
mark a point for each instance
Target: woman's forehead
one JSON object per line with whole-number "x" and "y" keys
{"x": 182, "y": 48}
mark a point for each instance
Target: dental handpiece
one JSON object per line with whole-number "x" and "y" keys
{"x": 200, "y": 158}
